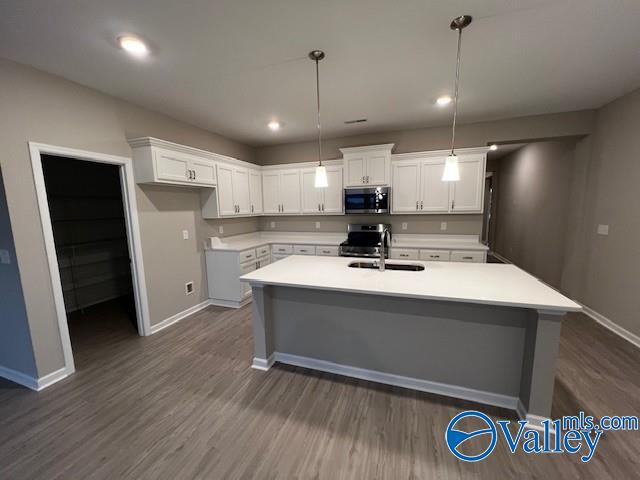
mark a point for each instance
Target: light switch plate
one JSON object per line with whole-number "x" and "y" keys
{"x": 221, "y": 229}
{"x": 443, "y": 225}
{"x": 404, "y": 225}
{"x": 5, "y": 257}
{"x": 188, "y": 288}
{"x": 185, "y": 234}
{"x": 317, "y": 224}
{"x": 603, "y": 229}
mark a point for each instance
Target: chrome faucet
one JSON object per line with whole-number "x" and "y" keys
{"x": 385, "y": 237}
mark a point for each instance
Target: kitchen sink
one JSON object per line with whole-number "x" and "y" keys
{"x": 407, "y": 267}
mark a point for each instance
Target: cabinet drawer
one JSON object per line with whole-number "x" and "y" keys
{"x": 404, "y": 254}
{"x": 304, "y": 249}
{"x": 275, "y": 257}
{"x": 282, "y": 249}
{"x": 247, "y": 255}
{"x": 435, "y": 255}
{"x": 327, "y": 251}
{"x": 263, "y": 261}
{"x": 262, "y": 251}
{"x": 460, "y": 256}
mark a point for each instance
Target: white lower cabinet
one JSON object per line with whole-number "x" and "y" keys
{"x": 327, "y": 251}
{"x": 224, "y": 269}
{"x": 438, "y": 255}
{"x": 304, "y": 250}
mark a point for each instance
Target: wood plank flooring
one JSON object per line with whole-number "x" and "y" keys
{"x": 184, "y": 404}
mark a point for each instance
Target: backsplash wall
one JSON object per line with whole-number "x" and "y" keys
{"x": 456, "y": 224}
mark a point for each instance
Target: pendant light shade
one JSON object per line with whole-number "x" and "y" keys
{"x": 321, "y": 180}
{"x": 451, "y": 171}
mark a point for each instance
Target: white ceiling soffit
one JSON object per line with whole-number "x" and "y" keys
{"x": 231, "y": 66}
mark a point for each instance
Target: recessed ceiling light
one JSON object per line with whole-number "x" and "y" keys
{"x": 274, "y": 126}
{"x": 133, "y": 45}
{"x": 444, "y": 100}
{"x": 493, "y": 147}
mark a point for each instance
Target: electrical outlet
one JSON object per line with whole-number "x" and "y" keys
{"x": 185, "y": 234}
{"x": 443, "y": 225}
{"x": 317, "y": 224}
{"x": 4, "y": 257}
{"x": 603, "y": 229}
{"x": 404, "y": 225}
{"x": 220, "y": 229}
{"x": 273, "y": 224}
{"x": 188, "y": 288}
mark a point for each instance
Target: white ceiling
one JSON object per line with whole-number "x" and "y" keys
{"x": 231, "y": 66}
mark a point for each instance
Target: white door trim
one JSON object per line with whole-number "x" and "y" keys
{"x": 36, "y": 151}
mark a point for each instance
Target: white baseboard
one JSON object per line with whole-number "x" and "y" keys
{"x": 454, "y": 391}
{"x": 533, "y": 421}
{"x": 229, "y": 303}
{"x": 167, "y": 322}
{"x": 34, "y": 383}
{"x": 263, "y": 364}
{"x": 614, "y": 327}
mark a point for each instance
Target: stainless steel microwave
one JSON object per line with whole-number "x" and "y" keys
{"x": 367, "y": 200}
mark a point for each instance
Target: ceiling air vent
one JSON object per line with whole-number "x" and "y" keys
{"x": 358, "y": 120}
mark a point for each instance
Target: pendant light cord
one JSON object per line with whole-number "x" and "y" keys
{"x": 319, "y": 125}
{"x": 455, "y": 96}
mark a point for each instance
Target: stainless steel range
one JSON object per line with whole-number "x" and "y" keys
{"x": 365, "y": 240}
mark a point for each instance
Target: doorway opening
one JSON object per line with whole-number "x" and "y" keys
{"x": 90, "y": 236}
{"x": 90, "y": 226}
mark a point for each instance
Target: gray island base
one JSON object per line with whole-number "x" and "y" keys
{"x": 495, "y": 355}
{"x": 486, "y": 333}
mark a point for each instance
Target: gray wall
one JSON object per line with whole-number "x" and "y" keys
{"x": 456, "y": 224}
{"x": 40, "y": 107}
{"x": 16, "y": 351}
{"x": 612, "y": 276}
{"x": 534, "y": 190}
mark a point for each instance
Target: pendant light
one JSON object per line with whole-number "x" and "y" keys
{"x": 451, "y": 169}
{"x": 321, "y": 171}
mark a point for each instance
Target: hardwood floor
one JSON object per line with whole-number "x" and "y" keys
{"x": 184, "y": 404}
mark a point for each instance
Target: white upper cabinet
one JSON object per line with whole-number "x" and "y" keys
{"x": 290, "y": 191}
{"x": 405, "y": 191}
{"x": 311, "y": 196}
{"x": 434, "y": 193}
{"x": 281, "y": 191}
{"x": 469, "y": 190}
{"x": 367, "y": 165}
{"x": 156, "y": 164}
{"x": 418, "y": 186}
{"x": 240, "y": 181}
{"x": 322, "y": 200}
{"x": 255, "y": 191}
{"x": 226, "y": 203}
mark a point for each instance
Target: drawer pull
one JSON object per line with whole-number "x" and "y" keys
{"x": 434, "y": 256}
{"x": 467, "y": 258}
{"x": 247, "y": 256}
{"x": 326, "y": 251}
{"x": 404, "y": 255}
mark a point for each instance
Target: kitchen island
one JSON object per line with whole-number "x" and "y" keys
{"x": 482, "y": 332}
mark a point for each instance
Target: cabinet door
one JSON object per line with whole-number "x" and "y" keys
{"x": 245, "y": 288}
{"x": 255, "y": 191}
{"x": 434, "y": 193}
{"x": 172, "y": 167}
{"x": 377, "y": 169}
{"x": 406, "y": 184}
{"x": 271, "y": 192}
{"x": 290, "y": 191}
{"x": 241, "y": 191}
{"x": 355, "y": 171}
{"x": 311, "y": 196}
{"x": 204, "y": 171}
{"x": 226, "y": 205}
{"x": 334, "y": 193}
{"x": 467, "y": 192}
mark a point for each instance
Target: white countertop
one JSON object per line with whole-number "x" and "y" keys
{"x": 431, "y": 241}
{"x": 482, "y": 283}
